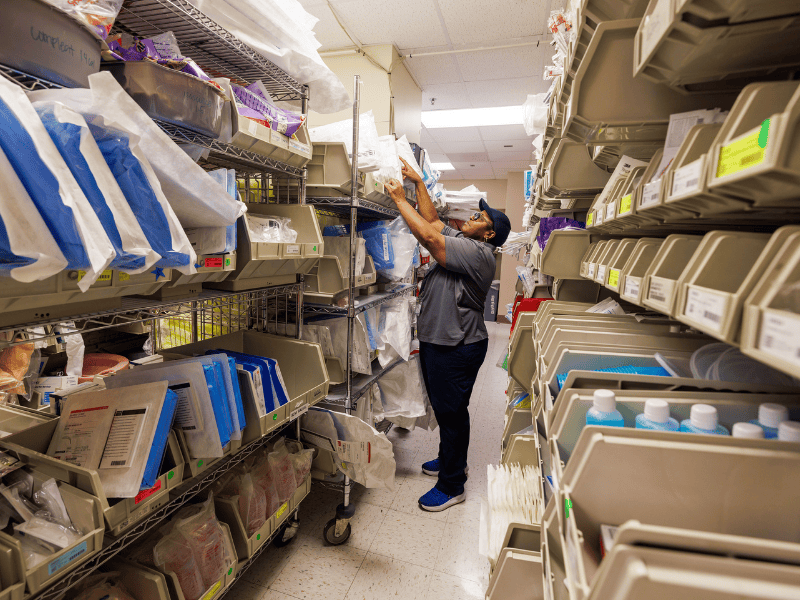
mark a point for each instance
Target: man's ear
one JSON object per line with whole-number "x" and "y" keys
{"x": 488, "y": 236}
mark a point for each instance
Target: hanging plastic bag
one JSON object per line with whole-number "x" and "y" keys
{"x": 74, "y": 347}
{"x": 403, "y": 248}
{"x": 173, "y": 554}
{"x": 97, "y": 15}
{"x": 198, "y": 200}
{"x": 72, "y": 137}
{"x": 405, "y": 152}
{"x": 302, "y": 465}
{"x": 390, "y": 165}
{"x": 402, "y": 391}
{"x": 282, "y": 471}
{"x": 395, "y": 333}
{"x": 429, "y": 175}
{"x": 261, "y": 472}
{"x": 50, "y": 184}
{"x": 252, "y": 505}
{"x": 535, "y": 114}
{"x": 369, "y": 148}
{"x": 206, "y": 538}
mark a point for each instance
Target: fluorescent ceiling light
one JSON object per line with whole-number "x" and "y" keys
{"x": 473, "y": 117}
{"x": 443, "y": 166}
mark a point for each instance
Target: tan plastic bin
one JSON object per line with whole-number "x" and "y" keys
{"x": 571, "y": 172}
{"x": 330, "y": 172}
{"x": 603, "y": 260}
{"x": 327, "y": 282}
{"x": 12, "y": 572}
{"x": 562, "y": 254}
{"x": 640, "y": 259}
{"x": 660, "y": 280}
{"x": 212, "y": 268}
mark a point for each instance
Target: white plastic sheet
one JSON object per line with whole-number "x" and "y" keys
{"x": 403, "y": 392}
{"x": 394, "y": 340}
{"x": 198, "y": 200}
{"x": 369, "y": 146}
{"x": 535, "y": 114}
{"x": 405, "y": 152}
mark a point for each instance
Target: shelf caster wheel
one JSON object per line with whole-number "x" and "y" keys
{"x": 329, "y": 533}
{"x": 287, "y": 534}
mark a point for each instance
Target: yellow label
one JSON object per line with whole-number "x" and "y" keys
{"x": 282, "y": 510}
{"x": 625, "y": 204}
{"x": 741, "y": 154}
{"x": 212, "y": 591}
{"x": 124, "y": 276}
{"x": 590, "y": 219}
{"x": 104, "y": 276}
{"x": 613, "y": 278}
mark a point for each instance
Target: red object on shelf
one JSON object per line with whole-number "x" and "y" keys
{"x": 526, "y": 305}
{"x": 102, "y": 364}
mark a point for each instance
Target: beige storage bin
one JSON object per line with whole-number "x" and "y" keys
{"x": 754, "y": 480}
{"x": 771, "y": 315}
{"x": 555, "y": 558}
{"x": 574, "y": 290}
{"x": 520, "y": 353}
{"x": 618, "y": 262}
{"x": 59, "y": 295}
{"x": 641, "y": 573}
{"x": 691, "y": 45}
{"x": 212, "y": 268}
{"x": 563, "y": 252}
{"x": 85, "y": 513}
{"x": 263, "y": 264}
{"x": 607, "y": 104}
{"x": 603, "y": 259}
{"x": 120, "y": 514}
{"x": 571, "y": 172}
{"x": 722, "y": 273}
{"x": 517, "y": 576}
{"x": 593, "y": 258}
{"x": 765, "y": 113}
{"x": 630, "y": 279}
{"x": 687, "y": 181}
{"x": 327, "y": 282}
{"x": 554, "y": 307}
{"x": 302, "y": 363}
{"x": 584, "y": 270}
{"x": 16, "y": 419}
{"x": 628, "y": 209}
{"x": 12, "y": 572}
{"x": 519, "y": 419}
{"x": 660, "y": 281}
{"x": 330, "y": 172}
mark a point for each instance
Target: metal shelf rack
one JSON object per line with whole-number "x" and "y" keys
{"x": 337, "y": 394}
{"x": 360, "y": 305}
{"x": 340, "y": 207}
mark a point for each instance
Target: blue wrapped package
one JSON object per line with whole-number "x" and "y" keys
{"x": 156, "y": 456}
{"x": 269, "y": 399}
{"x": 51, "y": 186}
{"x": 219, "y": 402}
{"x": 273, "y": 384}
{"x": 237, "y": 392}
{"x": 74, "y": 141}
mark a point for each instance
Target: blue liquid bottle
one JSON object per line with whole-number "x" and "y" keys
{"x": 703, "y": 419}
{"x": 604, "y": 410}
{"x": 656, "y": 416}
{"x": 789, "y": 431}
{"x": 748, "y": 431}
{"x": 770, "y": 416}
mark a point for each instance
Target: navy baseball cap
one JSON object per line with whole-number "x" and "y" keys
{"x": 502, "y": 226}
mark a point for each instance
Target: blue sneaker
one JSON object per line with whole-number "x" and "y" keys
{"x": 436, "y": 500}
{"x": 432, "y": 468}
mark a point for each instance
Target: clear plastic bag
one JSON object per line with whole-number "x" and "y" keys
{"x": 282, "y": 471}
{"x": 14, "y": 496}
{"x": 206, "y": 538}
{"x": 404, "y": 246}
{"x": 48, "y": 533}
{"x": 261, "y": 473}
{"x": 271, "y": 230}
{"x": 97, "y": 15}
{"x": 252, "y": 504}
{"x": 302, "y": 465}
{"x": 49, "y": 498}
{"x": 174, "y": 554}
{"x": 369, "y": 147}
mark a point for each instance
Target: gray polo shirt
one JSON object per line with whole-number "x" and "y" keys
{"x": 452, "y": 298}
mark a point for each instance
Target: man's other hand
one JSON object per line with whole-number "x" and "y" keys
{"x": 396, "y": 191}
{"x": 410, "y": 173}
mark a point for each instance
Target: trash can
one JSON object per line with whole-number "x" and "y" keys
{"x": 492, "y": 297}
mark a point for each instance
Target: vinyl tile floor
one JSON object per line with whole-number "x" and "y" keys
{"x": 396, "y": 550}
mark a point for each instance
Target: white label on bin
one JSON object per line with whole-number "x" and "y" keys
{"x": 610, "y": 209}
{"x": 185, "y": 414}
{"x": 292, "y": 249}
{"x": 354, "y": 452}
{"x": 687, "y": 178}
{"x": 300, "y": 410}
{"x": 298, "y": 147}
{"x": 600, "y": 214}
{"x": 651, "y": 194}
{"x": 252, "y": 127}
{"x": 660, "y": 289}
{"x": 601, "y": 272}
{"x": 632, "y": 286}
{"x": 706, "y": 308}
{"x": 125, "y": 430}
{"x": 591, "y": 270}
{"x": 780, "y": 336}
{"x": 66, "y": 558}
{"x": 385, "y": 238}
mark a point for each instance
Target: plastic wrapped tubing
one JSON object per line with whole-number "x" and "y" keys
{"x": 548, "y": 225}
{"x": 97, "y": 15}
{"x": 282, "y": 471}
{"x": 72, "y": 137}
{"x": 173, "y": 554}
{"x": 206, "y": 539}
{"x": 50, "y": 184}
{"x": 196, "y": 199}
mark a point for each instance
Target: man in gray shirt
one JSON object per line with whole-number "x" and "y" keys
{"x": 452, "y": 334}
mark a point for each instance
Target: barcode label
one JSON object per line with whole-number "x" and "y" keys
{"x": 651, "y": 193}
{"x": 706, "y": 308}
{"x": 632, "y": 287}
{"x": 591, "y": 270}
{"x": 601, "y": 273}
{"x": 660, "y": 289}
{"x": 780, "y": 335}
{"x": 610, "y": 210}
{"x": 117, "y": 463}
{"x": 687, "y": 179}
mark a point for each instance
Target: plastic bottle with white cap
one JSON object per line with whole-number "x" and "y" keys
{"x": 703, "y": 419}
{"x": 656, "y": 416}
{"x": 604, "y": 410}
{"x": 770, "y": 416}
{"x": 789, "y": 431}
{"x": 748, "y": 431}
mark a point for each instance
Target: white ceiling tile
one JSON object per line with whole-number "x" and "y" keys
{"x": 455, "y": 147}
{"x": 471, "y": 21}
{"x": 505, "y": 63}
{"x": 446, "y": 97}
{"x": 515, "y": 145}
{"x": 451, "y": 175}
{"x": 504, "y": 156}
{"x": 437, "y": 158}
{"x": 504, "y": 132}
{"x": 455, "y": 134}
{"x": 468, "y": 157}
{"x": 500, "y": 173}
{"x": 479, "y": 173}
{"x": 434, "y": 70}
{"x": 412, "y": 24}
{"x": 328, "y": 31}
{"x": 504, "y": 92}
{"x": 463, "y": 166}
{"x": 512, "y": 165}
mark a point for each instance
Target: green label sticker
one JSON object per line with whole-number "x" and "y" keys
{"x": 742, "y": 154}
{"x": 315, "y": 248}
{"x": 230, "y": 571}
{"x": 613, "y": 278}
{"x": 763, "y": 135}
{"x": 625, "y": 204}
{"x": 200, "y": 463}
{"x": 275, "y": 417}
{"x": 227, "y": 262}
{"x": 258, "y": 536}
{"x": 171, "y": 474}
{"x": 590, "y": 219}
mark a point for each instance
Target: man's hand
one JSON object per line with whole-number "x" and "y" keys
{"x": 396, "y": 191}
{"x": 410, "y": 173}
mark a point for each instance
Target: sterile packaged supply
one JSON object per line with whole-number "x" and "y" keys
{"x": 254, "y": 102}
{"x": 96, "y": 15}
{"x": 282, "y": 470}
{"x": 369, "y": 147}
{"x": 271, "y": 230}
{"x": 162, "y": 49}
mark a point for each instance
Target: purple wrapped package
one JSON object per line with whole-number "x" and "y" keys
{"x": 254, "y": 103}
{"x": 548, "y": 225}
{"x": 162, "y": 49}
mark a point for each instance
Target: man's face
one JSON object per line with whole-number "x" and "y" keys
{"x": 479, "y": 227}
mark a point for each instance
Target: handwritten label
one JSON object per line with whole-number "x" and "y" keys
{"x": 687, "y": 179}
{"x": 741, "y": 154}
{"x": 706, "y": 307}
{"x": 144, "y": 494}
{"x": 632, "y": 286}
{"x": 66, "y": 558}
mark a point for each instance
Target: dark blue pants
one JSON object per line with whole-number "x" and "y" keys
{"x": 450, "y": 373}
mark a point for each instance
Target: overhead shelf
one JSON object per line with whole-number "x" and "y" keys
{"x": 694, "y": 46}
{"x": 362, "y": 303}
{"x": 339, "y": 206}
{"x": 571, "y": 172}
